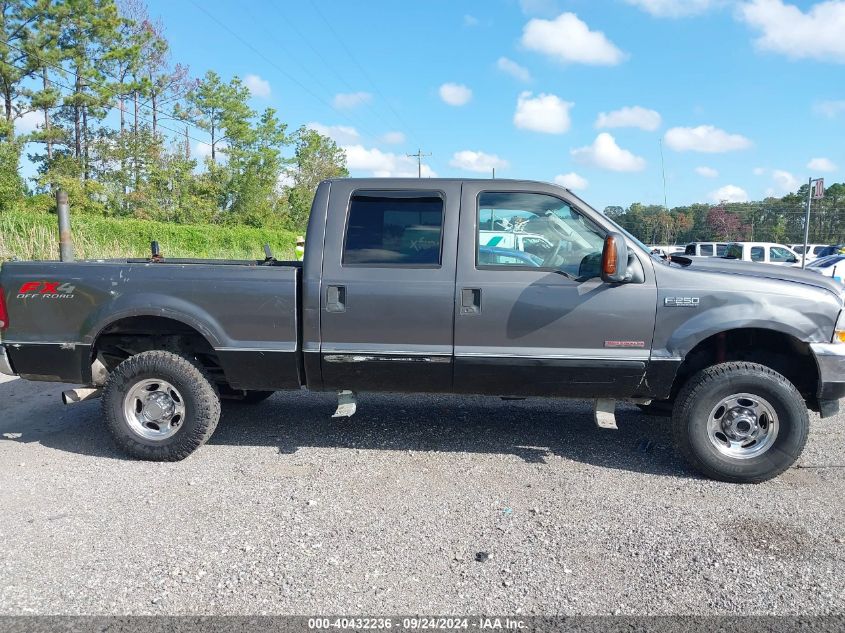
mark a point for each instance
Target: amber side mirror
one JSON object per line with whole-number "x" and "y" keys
{"x": 614, "y": 259}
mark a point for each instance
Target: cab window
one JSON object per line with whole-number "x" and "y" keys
{"x": 522, "y": 230}
{"x": 387, "y": 228}
{"x": 758, "y": 254}
{"x": 707, "y": 250}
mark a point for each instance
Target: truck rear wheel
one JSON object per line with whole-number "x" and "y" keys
{"x": 160, "y": 406}
{"x": 740, "y": 422}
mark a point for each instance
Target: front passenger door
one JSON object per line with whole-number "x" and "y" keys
{"x": 545, "y": 324}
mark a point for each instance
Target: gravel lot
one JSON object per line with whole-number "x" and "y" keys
{"x": 287, "y": 511}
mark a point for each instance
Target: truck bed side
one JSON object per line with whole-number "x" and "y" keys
{"x": 243, "y": 318}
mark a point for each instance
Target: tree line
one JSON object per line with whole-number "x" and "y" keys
{"x": 106, "y": 114}
{"x": 771, "y": 220}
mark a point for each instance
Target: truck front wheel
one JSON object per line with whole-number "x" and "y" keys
{"x": 740, "y": 422}
{"x": 160, "y": 406}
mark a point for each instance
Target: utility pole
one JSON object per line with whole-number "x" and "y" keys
{"x": 819, "y": 193}
{"x": 419, "y": 156}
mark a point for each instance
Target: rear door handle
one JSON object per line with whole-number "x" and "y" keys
{"x": 336, "y": 299}
{"x": 470, "y": 300}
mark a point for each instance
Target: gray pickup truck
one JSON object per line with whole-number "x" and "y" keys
{"x": 499, "y": 287}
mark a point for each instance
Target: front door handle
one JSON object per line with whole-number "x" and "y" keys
{"x": 470, "y": 300}
{"x": 336, "y": 299}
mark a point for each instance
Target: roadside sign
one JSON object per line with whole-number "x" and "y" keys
{"x": 818, "y": 191}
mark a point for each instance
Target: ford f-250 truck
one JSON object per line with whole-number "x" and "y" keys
{"x": 398, "y": 293}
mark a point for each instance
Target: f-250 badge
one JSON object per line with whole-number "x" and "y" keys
{"x": 681, "y": 302}
{"x": 46, "y": 290}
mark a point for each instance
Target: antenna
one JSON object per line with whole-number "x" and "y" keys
{"x": 419, "y": 156}
{"x": 663, "y": 170}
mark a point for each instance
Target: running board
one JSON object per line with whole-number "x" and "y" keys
{"x": 346, "y": 404}
{"x": 604, "y": 413}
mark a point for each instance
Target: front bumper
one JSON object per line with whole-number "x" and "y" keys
{"x": 830, "y": 359}
{"x": 5, "y": 365}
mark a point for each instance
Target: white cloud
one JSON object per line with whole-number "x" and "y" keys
{"x": 635, "y": 116}
{"x": 29, "y": 122}
{"x": 707, "y": 172}
{"x": 759, "y": 171}
{"x": 257, "y": 86}
{"x": 510, "y": 67}
{"x": 729, "y": 193}
{"x": 477, "y": 161}
{"x": 705, "y": 138}
{"x": 785, "y": 28}
{"x": 822, "y": 164}
{"x": 785, "y": 182}
{"x": 829, "y": 109}
{"x": 543, "y": 113}
{"x": 201, "y": 150}
{"x": 572, "y": 181}
{"x": 348, "y": 100}
{"x": 674, "y": 8}
{"x": 342, "y": 134}
{"x": 383, "y": 164}
{"x": 393, "y": 138}
{"x": 455, "y": 94}
{"x": 569, "y": 40}
{"x": 470, "y": 20}
{"x": 606, "y": 154}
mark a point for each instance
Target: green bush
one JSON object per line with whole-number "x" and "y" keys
{"x": 35, "y": 236}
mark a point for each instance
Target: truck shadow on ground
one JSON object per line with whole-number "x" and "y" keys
{"x": 535, "y": 430}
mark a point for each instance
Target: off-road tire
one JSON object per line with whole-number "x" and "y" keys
{"x": 202, "y": 404}
{"x": 704, "y": 390}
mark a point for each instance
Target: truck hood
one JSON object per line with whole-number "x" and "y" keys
{"x": 765, "y": 271}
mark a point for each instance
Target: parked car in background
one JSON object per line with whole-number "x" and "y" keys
{"x": 526, "y": 242}
{"x": 817, "y": 251}
{"x": 706, "y": 249}
{"x": 831, "y": 266}
{"x": 762, "y": 252}
{"x": 666, "y": 250}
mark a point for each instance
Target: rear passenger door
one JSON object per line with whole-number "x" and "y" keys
{"x": 388, "y": 284}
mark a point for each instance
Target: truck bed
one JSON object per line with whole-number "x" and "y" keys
{"x": 243, "y": 313}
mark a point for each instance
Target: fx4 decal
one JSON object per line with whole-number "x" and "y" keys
{"x": 46, "y": 290}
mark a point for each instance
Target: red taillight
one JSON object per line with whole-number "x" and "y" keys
{"x": 4, "y": 314}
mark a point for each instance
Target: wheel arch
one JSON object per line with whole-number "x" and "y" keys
{"x": 777, "y": 349}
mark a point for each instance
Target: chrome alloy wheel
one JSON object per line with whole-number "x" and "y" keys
{"x": 742, "y": 426}
{"x": 154, "y": 409}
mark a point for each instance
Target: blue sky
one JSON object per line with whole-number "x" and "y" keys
{"x": 743, "y": 94}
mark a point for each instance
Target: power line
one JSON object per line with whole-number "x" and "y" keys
{"x": 292, "y": 78}
{"x": 64, "y": 70}
{"x": 119, "y": 108}
{"x": 280, "y": 44}
{"x": 362, "y": 69}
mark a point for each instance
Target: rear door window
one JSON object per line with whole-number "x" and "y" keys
{"x": 707, "y": 249}
{"x": 721, "y": 249}
{"x": 758, "y": 254}
{"x": 690, "y": 250}
{"x": 394, "y": 229}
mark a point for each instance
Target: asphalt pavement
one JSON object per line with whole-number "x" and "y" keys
{"x": 430, "y": 505}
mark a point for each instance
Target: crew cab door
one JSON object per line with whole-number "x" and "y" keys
{"x": 542, "y": 322}
{"x": 388, "y": 287}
